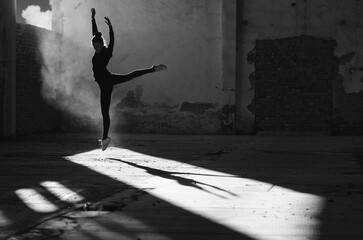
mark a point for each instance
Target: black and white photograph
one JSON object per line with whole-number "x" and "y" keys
{"x": 181, "y": 119}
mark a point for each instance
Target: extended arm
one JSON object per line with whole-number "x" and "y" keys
{"x": 94, "y": 25}
{"x": 112, "y": 35}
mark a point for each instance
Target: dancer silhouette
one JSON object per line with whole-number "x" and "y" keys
{"x": 107, "y": 80}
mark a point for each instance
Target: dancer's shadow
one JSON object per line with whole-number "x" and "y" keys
{"x": 45, "y": 162}
{"x": 181, "y": 180}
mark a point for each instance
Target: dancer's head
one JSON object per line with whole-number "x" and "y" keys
{"x": 98, "y": 42}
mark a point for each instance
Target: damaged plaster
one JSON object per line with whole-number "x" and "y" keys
{"x": 134, "y": 115}
{"x": 347, "y": 106}
{"x": 338, "y": 20}
{"x": 299, "y": 85}
{"x": 352, "y": 73}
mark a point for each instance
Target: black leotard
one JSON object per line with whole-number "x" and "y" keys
{"x": 101, "y": 59}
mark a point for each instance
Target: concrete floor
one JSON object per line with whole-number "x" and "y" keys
{"x": 182, "y": 187}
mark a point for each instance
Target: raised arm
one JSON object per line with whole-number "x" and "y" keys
{"x": 112, "y": 35}
{"x": 94, "y": 25}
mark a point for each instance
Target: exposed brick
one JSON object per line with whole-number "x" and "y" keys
{"x": 293, "y": 81}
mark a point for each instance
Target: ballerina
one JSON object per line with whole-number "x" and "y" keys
{"x": 107, "y": 80}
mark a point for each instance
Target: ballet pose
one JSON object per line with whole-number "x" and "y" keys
{"x": 104, "y": 78}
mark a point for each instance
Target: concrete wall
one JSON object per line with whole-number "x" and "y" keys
{"x": 192, "y": 37}
{"x": 208, "y": 87}
{"x": 336, "y": 20}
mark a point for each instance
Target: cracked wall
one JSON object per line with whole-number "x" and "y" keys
{"x": 340, "y": 21}
{"x": 347, "y": 106}
{"x": 195, "y": 39}
{"x": 137, "y": 116}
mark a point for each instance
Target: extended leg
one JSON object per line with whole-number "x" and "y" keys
{"x": 121, "y": 78}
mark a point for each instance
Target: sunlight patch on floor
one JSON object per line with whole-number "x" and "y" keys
{"x": 62, "y": 192}
{"x": 254, "y": 208}
{"x": 4, "y": 221}
{"x": 36, "y": 201}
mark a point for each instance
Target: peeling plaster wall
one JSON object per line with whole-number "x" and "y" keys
{"x": 257, "y": 19}
{"x": 342, "y": 21}
{"x": 338, "y": 20}
{"x": 186, "y": 35}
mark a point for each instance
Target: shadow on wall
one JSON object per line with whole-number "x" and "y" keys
{"x": 53, "y": 92}
{"x": 34, "y": 113}
{"x": 68, "y": 82}
{"x": 56, "y": 92}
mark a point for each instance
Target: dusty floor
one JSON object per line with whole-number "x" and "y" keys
{"x": 182, "y": 187}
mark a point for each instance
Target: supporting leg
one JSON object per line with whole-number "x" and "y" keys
{"x": 106, "y": 92}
